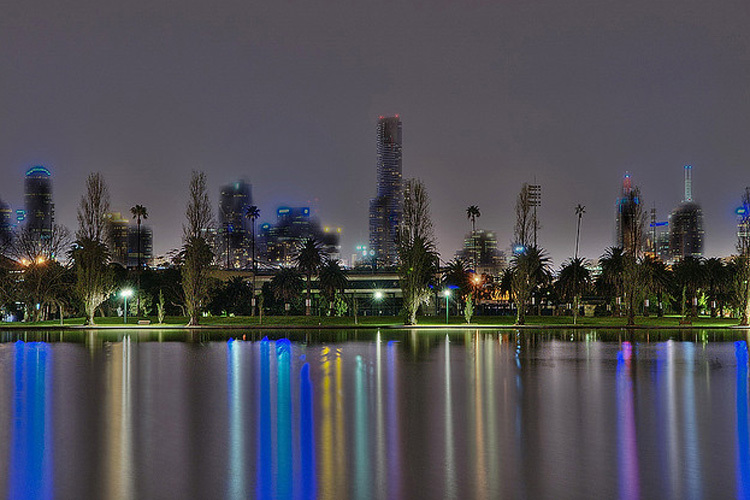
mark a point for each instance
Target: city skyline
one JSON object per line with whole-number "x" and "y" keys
{"x": 490, "y": 96}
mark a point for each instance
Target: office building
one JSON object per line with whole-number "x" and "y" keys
{"x": 686, "y": 224}
{"x": 483, "y": 245}
{"x": 278, "y": 244}
{"x": 629, "y": 218}
{"x": 39, "y": 213}
{"x": 234, "y": 227}
{"x": 386, "y": 207}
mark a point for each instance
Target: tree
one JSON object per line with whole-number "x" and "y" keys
{"x": 26, "y": 246}
{"x": 309, "y": 259}
{"x": 472, "y": 212}
{"x": 418, "y": 259}
{"x": 198, "y": 213}
{"x": 689, "y": 277}
{"x": 573, "y": 281}
{"x": 656, "y": 280}
{"x": 456, "y": 276}
{"x": 332, "y": 281}
{"x": 286, "y": 286}
{"x": 715, "y": 274}
{"x": 94, "y": 281}
{"x": 528, "y": 270}
{"x": 93, "y": 209}
{"x": 196, "y": 251}
{"x": 252, "y": 212}
{"x": 610, "y": 281}
{"x": 44, "y": 282}
{"x": 139, "y": 213}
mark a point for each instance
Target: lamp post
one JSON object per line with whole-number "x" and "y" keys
{"x": 378, "y": 296}
{"x": 447, "y": 294}
{"x": 125, "y": 294}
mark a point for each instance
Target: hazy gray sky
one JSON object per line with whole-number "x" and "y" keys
{"x": 286, "y": 94}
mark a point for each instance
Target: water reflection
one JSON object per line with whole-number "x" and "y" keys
{"x": 31, "y": 471}
{"x": 447, "y": 414}
{"x": 743, "y": 434}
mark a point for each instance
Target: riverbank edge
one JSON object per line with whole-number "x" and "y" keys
{"x": 373, "y": 327}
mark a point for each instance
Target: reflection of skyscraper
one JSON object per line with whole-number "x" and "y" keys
{"x": 40, "y": 210}
{"x": 686, "y": 224}
{"x": 386, "y": 207}
{"x": 233, "y": 225}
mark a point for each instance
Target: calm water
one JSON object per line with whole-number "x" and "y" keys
{"x": 341, "y": 414}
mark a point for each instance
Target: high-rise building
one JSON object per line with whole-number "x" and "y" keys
{"x": 117, "y": 234}
{"x": 279, "y": 244}
{"x": 39, "y": 207}
{"x": 234, "y": 227}
{"x": 146, "y": 246}
{"x": 386, "y": 207}
{"x": 628, "y": 218}
{"x": 6, "y": 226}
{"x": 483, "y": 245}
{"x": 686, "y": 224}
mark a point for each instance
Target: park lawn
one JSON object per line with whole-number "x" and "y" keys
{"x": 385, "y": 321}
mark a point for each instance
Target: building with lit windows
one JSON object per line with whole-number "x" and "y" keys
{"x": 39, "y": 213}
{"x": 387, "y": 206}
{"x": 278, "y": 244}
{"x": 483, "y": 244}
{"x": 686, "y": 224}
{"x": 628, "y": 223}
{"x": 234, "y": 228}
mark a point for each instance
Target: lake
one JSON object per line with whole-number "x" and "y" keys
{"x": 459, "y": 413}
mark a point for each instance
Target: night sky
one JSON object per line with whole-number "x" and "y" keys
{"x": 286, "y": 94}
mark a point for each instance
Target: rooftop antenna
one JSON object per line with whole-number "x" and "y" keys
{"x": 688, "y": 183}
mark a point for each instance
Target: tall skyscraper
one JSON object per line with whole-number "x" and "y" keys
{"x": 686, "y": 224}
{"x": 40, "y": 210}
{"x": 6, "y": 226}
{"x": 629, "y": 219}
{"x": 234, "y": 227}
{"x": 386, "y": 207}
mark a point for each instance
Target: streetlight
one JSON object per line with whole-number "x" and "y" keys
{"x": 378, "y": 296}
{"x": 447, "y": 295}
{"x": 128, "y": 292}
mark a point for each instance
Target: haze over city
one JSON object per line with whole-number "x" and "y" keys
{"x": 287, "y": 97}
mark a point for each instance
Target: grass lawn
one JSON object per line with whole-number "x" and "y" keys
{"x": 373, "y": 321}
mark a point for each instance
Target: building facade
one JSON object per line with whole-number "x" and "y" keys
{"x": 234, "y": 227}
{"x": 629, "y": 220}
{"x": 386, "y": 208}
{"x": 39, "y": 215}
{"x": 483, "y": 245}
{"x": 278, "y": 244}
{"x": 686, "y": 225}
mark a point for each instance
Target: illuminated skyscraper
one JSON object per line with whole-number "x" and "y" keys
{"x": 40, "y": 210}
{"x": 234, "y": 227}
{"x": 686, "y": 224}
{"x": 628, "y": 223}
{"x": 386, "y": 207}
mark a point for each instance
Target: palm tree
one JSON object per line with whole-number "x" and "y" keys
{"x": 715, "y": 279}
{"x": 332, "y": 280}
{"x": 472, "y": 212}
{"x": 689, "y": 277}
{"x": 656, "y": 279}
{"x": 610, "y": 281}
{"x": 529, "y": 269}
{"x": 252, "y": 212}
{"x": 309, "y": 259}
{"x": 580, "y": 210}
{"x": 139, "y": 213}
{"x": 456, "y": 275}
{"x": 573, "y": 281}
{"x": 286, "y": 286}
